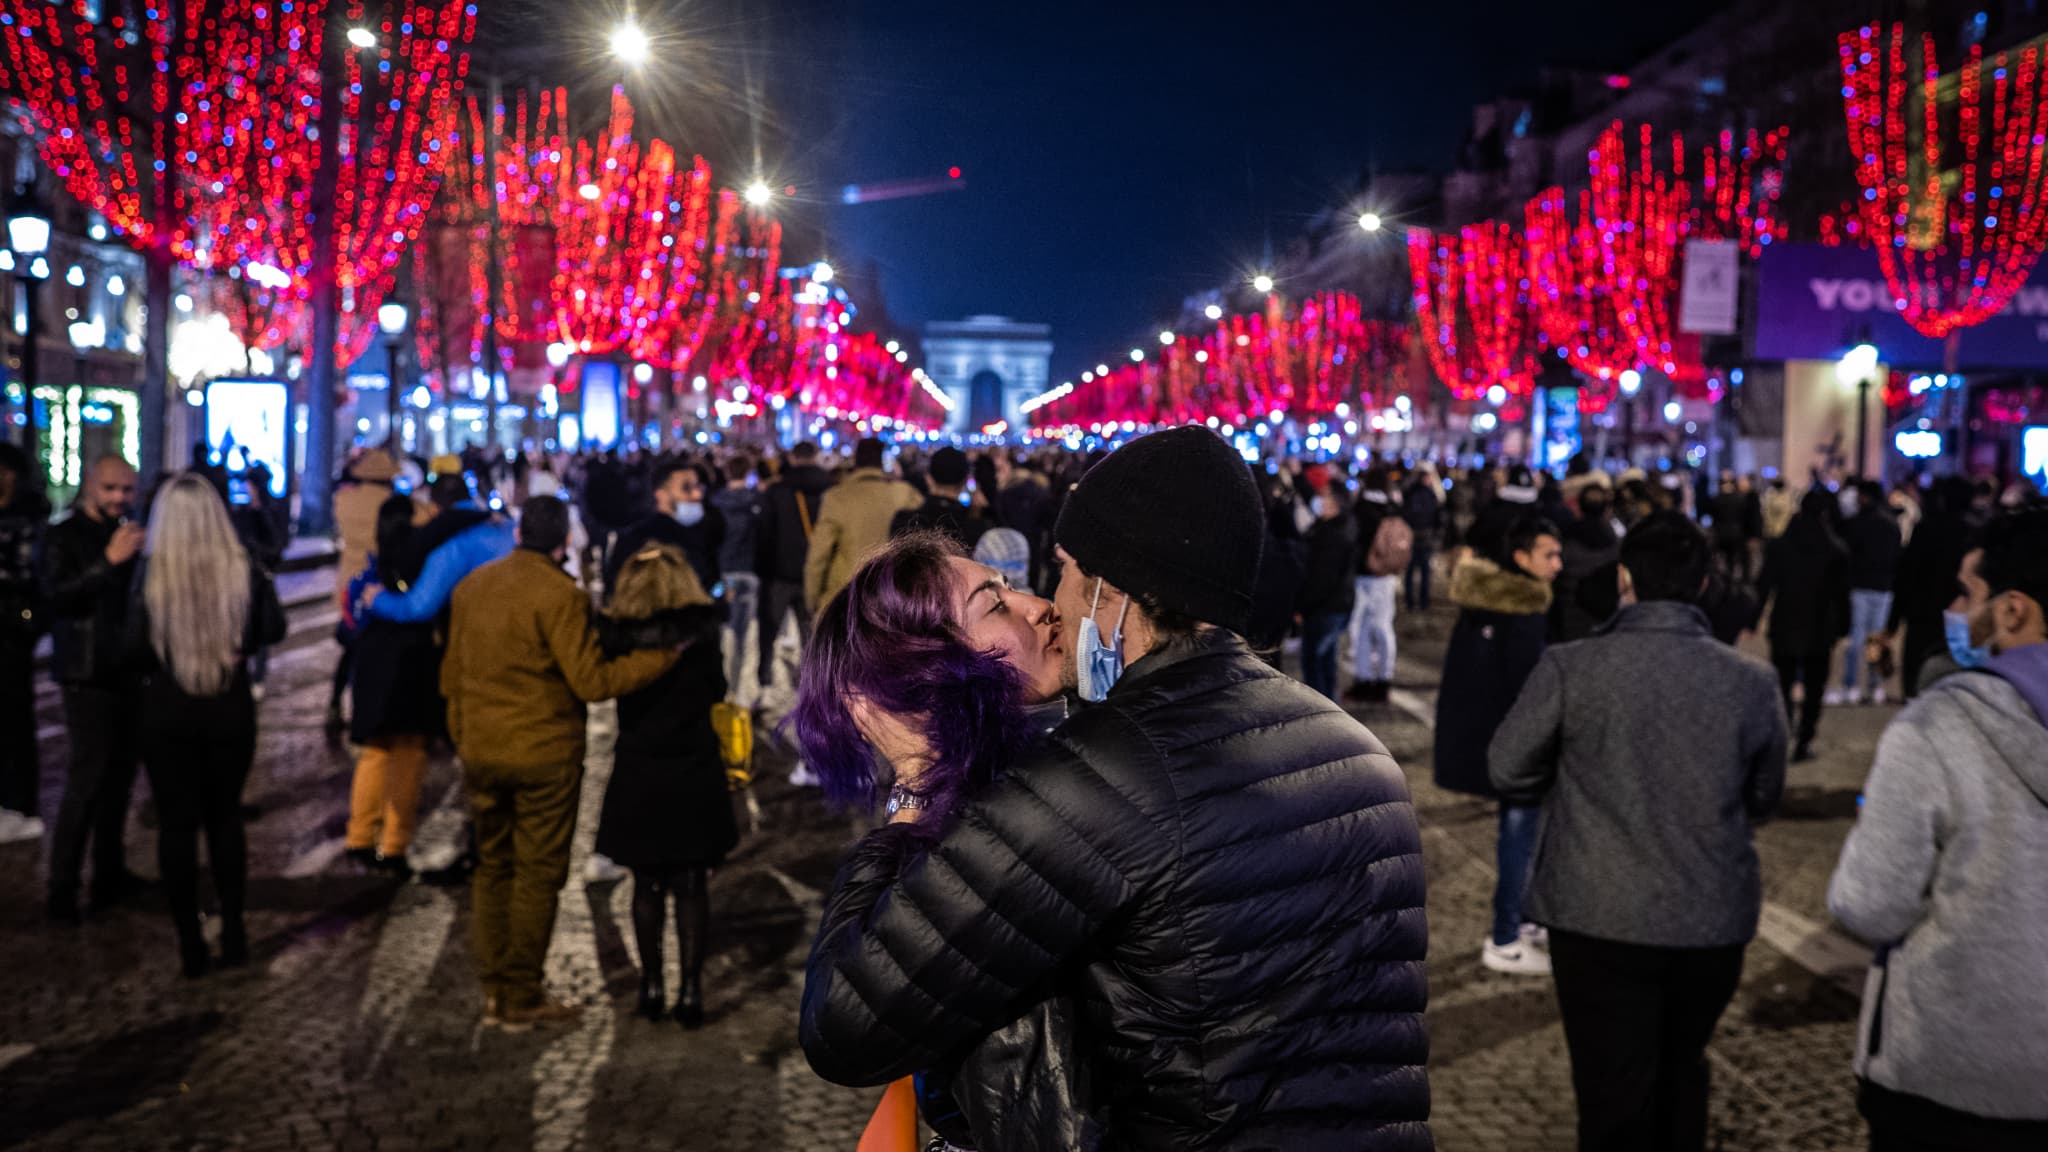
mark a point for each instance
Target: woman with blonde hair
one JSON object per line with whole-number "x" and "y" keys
{"x": 667, "y": 815}
{"x": 199, "y": 607}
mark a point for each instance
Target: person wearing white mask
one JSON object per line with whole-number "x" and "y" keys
{"x": 680, "y": 517}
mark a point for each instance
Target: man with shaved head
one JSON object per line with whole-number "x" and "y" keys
{"x": 91, "y": 562}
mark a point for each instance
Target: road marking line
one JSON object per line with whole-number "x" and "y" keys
{"x": 9, "y": 1053}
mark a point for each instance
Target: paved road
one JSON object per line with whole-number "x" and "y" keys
{"x": 356, "y": 1027}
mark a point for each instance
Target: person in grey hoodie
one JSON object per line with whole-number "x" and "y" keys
{"x": 1653, "y": 749}
{"x": 1944, "y": 873}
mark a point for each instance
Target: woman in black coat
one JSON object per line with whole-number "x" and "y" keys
{"x": 198, "y": 607}
{"x": 1806, "y": 583}
{"x": 667, "y": 813}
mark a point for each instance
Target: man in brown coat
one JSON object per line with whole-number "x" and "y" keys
{"x": 853, "y": 519}
{"x": 523, "y": 661}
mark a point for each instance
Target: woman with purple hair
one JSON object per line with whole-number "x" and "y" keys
{"x": 923, "y": 681}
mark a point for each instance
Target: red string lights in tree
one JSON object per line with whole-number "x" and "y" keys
{"x": 1574, "y": 312}
{"x": 1645, "y": 211}
{"x": 1471, "y": 299}
{"x": 1956, "y": 233}
{"x": 1320, "y": 358}
{"x": 197, "y": 127}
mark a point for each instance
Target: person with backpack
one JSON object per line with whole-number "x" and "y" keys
{"x": 1386, "y": 545}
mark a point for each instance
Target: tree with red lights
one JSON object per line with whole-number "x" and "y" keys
{"x": 1473, "y": 308}
{"x": 1574, "y": 311}
{"x": 1956, "y": 220}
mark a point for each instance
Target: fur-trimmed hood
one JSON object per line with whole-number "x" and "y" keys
{"x": 1487, "y": 587}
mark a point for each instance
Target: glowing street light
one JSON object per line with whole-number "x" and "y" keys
{"x": 629, "y": 44}
{"x": 362, "y": 37}
{"x": 1369, "y": 221}
{"x": 758, "y": 193}
{"x": 1631, "y": 382}
{"x": 1213, "y": 312}
{"x": 1137, "y": 355}
{"x": 1166, "y": 338}
{"x": 1262, "y": 283}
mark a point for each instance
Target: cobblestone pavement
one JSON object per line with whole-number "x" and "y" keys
{"x": 357, "y": 1024}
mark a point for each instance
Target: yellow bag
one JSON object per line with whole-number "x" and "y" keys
{"x": 735, "y": 728}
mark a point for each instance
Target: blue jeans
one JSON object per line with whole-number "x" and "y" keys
{"x": 1372, "y": 625}
{"x": 1514, "y": 851}
{"x": 1868, "y": 612}
{"x": 1320, "y": 635}
{"x": 743, "y": 599}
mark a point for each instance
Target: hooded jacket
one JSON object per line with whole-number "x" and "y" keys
{"x": 1943, "y": 872}
{"x": 1503, "y": 623}
{"x": 853, "y": 519}
{"x": 1219, "y": 866}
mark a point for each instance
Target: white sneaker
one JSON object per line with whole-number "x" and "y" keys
{"x": 16, "y": 827}
{"x": 600, "y": 870}
{"x": 1518, "y": 959}
{"x": 803, "y": 777}
{"x": 1536, "y": 936}
{"x": 1877, "y": 695}
{"x": 1834, "y": 697}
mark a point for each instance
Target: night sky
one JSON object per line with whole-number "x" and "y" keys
{"x": 1118, "y": 156}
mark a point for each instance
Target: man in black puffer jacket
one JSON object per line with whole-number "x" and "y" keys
{"x": 1220, "y": 868}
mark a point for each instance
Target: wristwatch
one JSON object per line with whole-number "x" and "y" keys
{"x": 901, "y": 798}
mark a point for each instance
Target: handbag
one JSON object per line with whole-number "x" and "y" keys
{"x": 734, "y": 727}
{"x": 267, "y": 623}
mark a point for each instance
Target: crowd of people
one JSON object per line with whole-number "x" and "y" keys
{"x": 1136, "y": 884}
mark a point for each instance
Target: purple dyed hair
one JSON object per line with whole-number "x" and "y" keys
{"x": 891, "y": 638}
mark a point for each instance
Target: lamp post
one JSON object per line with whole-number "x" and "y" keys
{"x": 1631, "y": 382}
{"x": 1858, "y": 366}
{"x": 393, "y": 318}
{"x": 28, "y": 238}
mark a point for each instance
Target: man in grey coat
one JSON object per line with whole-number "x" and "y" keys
{"x": 1946, "y": 872}
{"x": 1653, "y": 750}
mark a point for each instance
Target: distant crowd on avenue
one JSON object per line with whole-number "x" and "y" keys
{"x": 1132, "y": 870}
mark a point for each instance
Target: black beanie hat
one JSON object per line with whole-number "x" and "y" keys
{"x": 1175, "y": 517}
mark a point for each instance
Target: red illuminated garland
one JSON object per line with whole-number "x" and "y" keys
{"x": 1307, "y": 361}
{"x": 1645, "y": 211}
{"x": 1952, "y": 258}
{"x": 1471, "y": 299}
{"x": 1574, "y": 310}
{"x": 229, "y": 91}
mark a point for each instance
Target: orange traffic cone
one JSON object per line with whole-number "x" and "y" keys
{"x": 893, "y": 1127}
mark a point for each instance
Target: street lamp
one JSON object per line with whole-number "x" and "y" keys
{"x": 28, "y": 236}
{"x": 1369, "y": 221}
{"x": 392, "y": 319}
{"x": 630, "y": 44}
{"x": 362, "y": 37}
{"x": 758, "y": 194}
{"x": 1262, "y": 283}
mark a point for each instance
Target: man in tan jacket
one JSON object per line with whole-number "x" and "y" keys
{"x": 523, "y": 661}
{"x": 853, "y": 520}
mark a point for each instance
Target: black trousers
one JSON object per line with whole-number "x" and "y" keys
{"x": 103, "y": 723}
{"x": 20, "y": 766}
{"x": 1810, "y": 669}
{"x": 1637, "y": 1020}
{"x": 199, "y": 754}
{"x": 778, "y": 599}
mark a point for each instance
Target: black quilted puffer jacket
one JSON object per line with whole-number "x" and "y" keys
{"x": 1220, "y": 868}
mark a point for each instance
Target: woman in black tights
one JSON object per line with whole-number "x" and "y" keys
{"x": 199, "y": 607}
{"x": 667, "y": 815}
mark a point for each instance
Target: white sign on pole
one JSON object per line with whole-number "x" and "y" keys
{"x": 1707, "y": 302}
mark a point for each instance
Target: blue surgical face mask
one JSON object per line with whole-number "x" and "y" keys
{"x": 1097, "y": 665}
{"x": 689, "y": 514}
{"x": 1956, "y": 626}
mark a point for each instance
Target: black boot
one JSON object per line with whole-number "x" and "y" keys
{"x": 192, "y": 957}
{"x": 690, "y": 1005}
{"x": 653, "y": 1003}
{"x": 234, "y": 943}
{"x": 650, "y": 908}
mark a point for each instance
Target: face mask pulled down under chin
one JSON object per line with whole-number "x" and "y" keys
{"x": 1955, "y": 627}
{"x": 690, "y": 514}
{"x": 1098, "y": 665}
